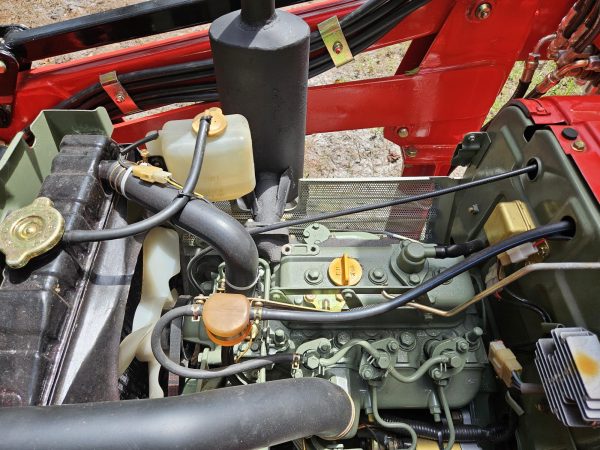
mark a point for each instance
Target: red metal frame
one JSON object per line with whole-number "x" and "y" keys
{"x": 582, "y": 114}
{"x": 444, "y": 87}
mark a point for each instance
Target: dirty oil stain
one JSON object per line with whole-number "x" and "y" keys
{"x": 587, "y": 365}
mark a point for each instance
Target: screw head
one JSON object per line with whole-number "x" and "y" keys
{"x": 120, "y": 97}
{"x": 410, "y": 152}
{"x": 578, "y": 145}
{"x": 337, "y": 47}
{"x": 403, "y": 132}
{"x": 483, "y": 11}
{"x": 474, "y": 209}
{"x": 3, "y": 67}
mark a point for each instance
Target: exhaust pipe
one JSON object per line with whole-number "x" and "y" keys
{"x": 243, "y": 417}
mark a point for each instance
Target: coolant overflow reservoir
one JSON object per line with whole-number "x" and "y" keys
{"x": 228, "y": 167}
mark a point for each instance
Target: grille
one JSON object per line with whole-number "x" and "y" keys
{"x": 327, "y": 195}
{"x": 569, "y": 367}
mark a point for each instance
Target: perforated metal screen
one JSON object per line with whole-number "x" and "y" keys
{"x": 326, "y": 195}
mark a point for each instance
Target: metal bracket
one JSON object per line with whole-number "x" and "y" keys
{"x": 9, "y": 69}
{"x": 115, "y": 90}
{"x": 335, "y": 41}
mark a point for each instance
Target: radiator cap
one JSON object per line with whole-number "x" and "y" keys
{"x": 30, "y": 231}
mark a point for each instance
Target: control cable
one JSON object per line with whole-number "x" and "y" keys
{"x": 395, "y": 202}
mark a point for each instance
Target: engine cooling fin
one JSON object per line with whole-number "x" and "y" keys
{"x": 569, "y": 367}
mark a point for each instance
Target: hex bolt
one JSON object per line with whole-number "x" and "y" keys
{"x": 455, "y": 361}
{"x": 578, "y": 145}
{"x": 312, "y": 362}
{"x": 316, "y": 226}
{"x": 407, "y": 339}
{"x": 280, "y": 337}
{"x": 393, "y": 346}
{"x": 414, "y": 278}
{"x": 3, "y": 67}
{"x": 343, "y": 338}
{"x": 474, "y": 209}
{"x": 462, "y": 346}
{"x": 367, "y": 372}
{"x": 325, "y": 347}
{"x": 383, "y": 361}
{"x": 312, "y": 275}
{"x": 403, "y": 132}
{"x": 483, "y": 11}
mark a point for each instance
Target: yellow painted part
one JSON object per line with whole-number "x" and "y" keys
{"x": 506, "y": 220}
{"x": 425, "y": 444}
{"x": 345, "y": 271}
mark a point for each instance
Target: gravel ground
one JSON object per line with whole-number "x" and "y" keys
{"x": 341, "y": 154}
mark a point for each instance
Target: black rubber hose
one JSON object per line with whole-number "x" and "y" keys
{"x": 395, "y": 202}
{"x": 203, "y": 374}
{"x": 520, "y": 90}
{"x": 587, "y": 38}
{"x": 242, "y": 417}
{"x": 200, "y": 218}
{"x": 562, "y": 227}
{"x": 464, "y": 433}
{"x": 164, "y": 214}
{"x": 455, "y": 250}
{"x": 364, "y": 26}
{"x": 583, "y": 8}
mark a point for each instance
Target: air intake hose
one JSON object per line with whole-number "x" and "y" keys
{"x": 242, "y": 417}
{"x": 198, "y": 217}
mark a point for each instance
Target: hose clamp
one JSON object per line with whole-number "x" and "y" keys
{"x": 190, "y": 196}
{"x": 124, "y": 180}
{"x": 196, "y": 313}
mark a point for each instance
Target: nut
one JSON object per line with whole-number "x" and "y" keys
{"x": 578, "y": 145}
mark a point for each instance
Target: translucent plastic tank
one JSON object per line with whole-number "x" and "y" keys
{"x": 228, "y": 167}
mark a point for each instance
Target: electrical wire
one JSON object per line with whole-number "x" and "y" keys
{"x": 564, "y": 227}
{"x": 399, "y": 201}
{"x": 149, "y": 138}
{"x": 516, "y": 300}
{"x": 79, "y": 236}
